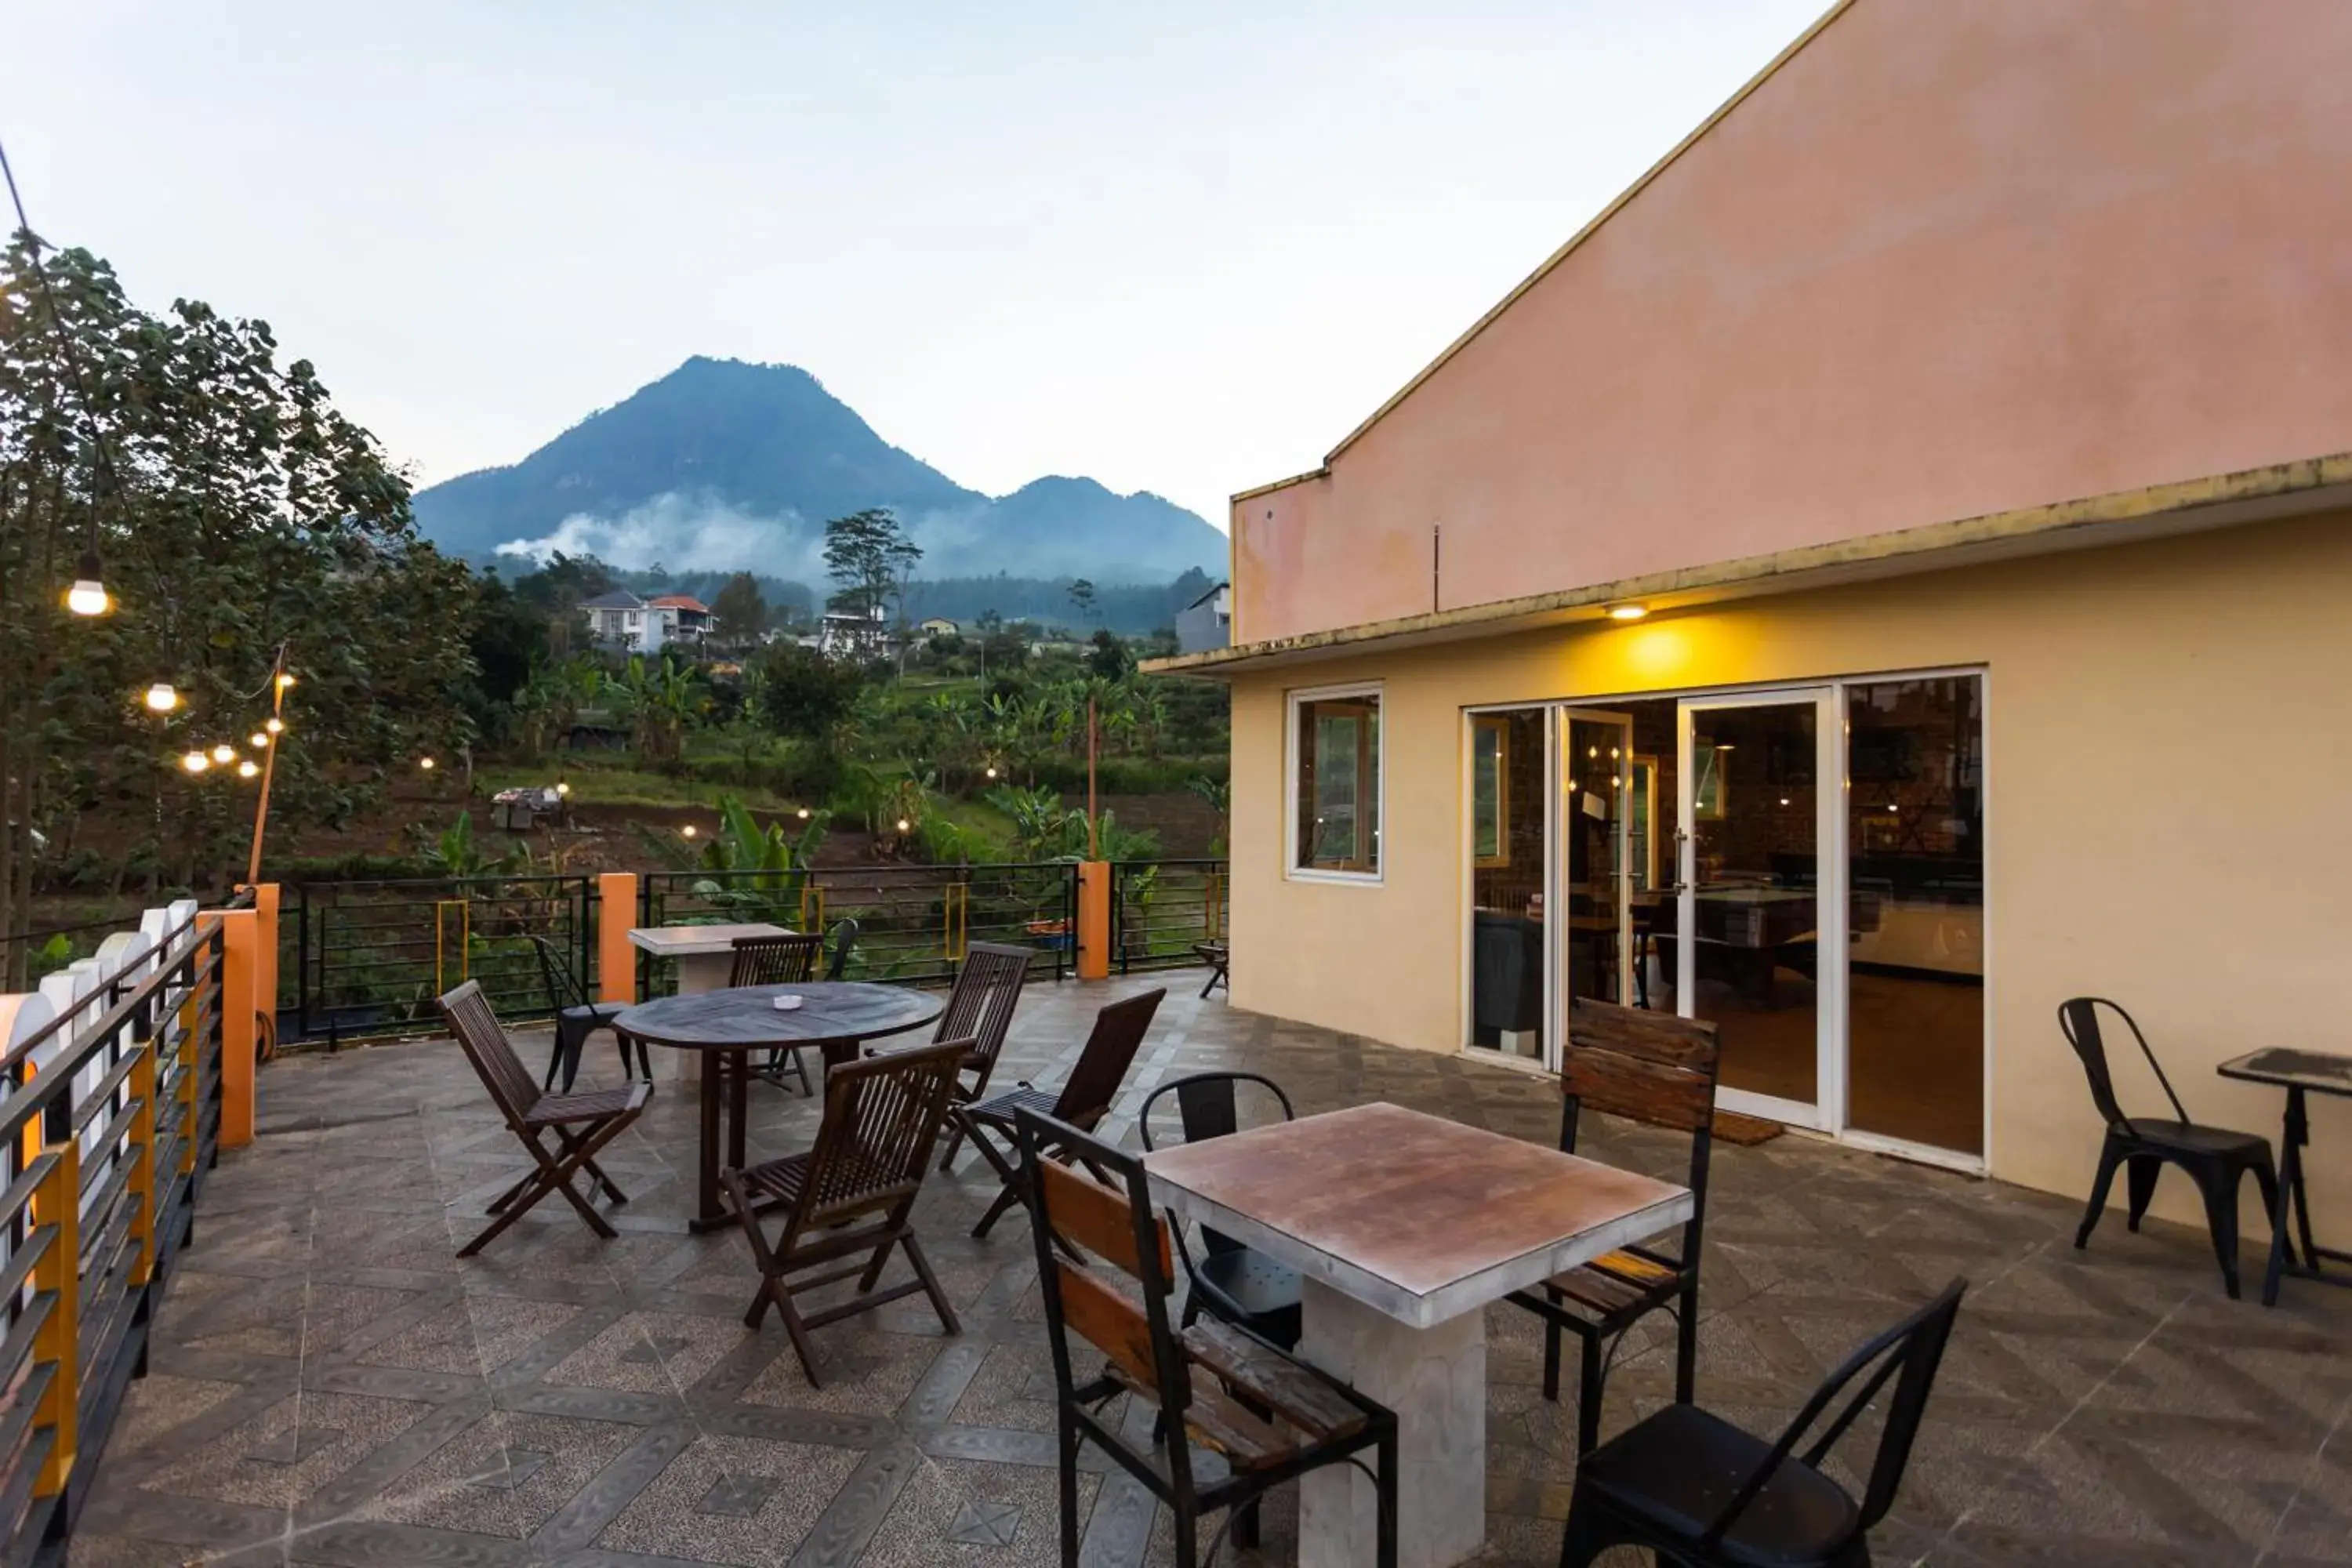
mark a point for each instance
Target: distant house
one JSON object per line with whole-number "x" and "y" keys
{"x": 689, "y": 617}
{"x": 939, "y": 626}
{"x": 618, "y": 619}
{"x": 846, "y": 634}
{"x": 1207, "y": 622}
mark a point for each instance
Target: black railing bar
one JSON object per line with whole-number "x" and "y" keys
{"x": 19, "y": 1196}
{"x": 17, "y": 1498}
{"x": 25, "y": 1407}
{"x": 115, "y": 1016}
{"x": 103, "y": 1090}
{"x": 25, "y": 1259}
{"x": 16, "y": 1350}
{"x": 99, "y": 1198}
{"x": 552, "y": 879}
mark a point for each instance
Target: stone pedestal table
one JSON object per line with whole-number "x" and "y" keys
{"x": 1403, "y": 1228}
{"x": 704, "y": 956}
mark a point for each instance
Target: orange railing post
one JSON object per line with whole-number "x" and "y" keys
{"x": 1094, "y": 919}
{"x": 240, "y": 968}
{"x": 57, "y": 1209}
{"x": 617, "y": 960}
{"x": 265, "y": 984}
{"x": 139, "y": 1190}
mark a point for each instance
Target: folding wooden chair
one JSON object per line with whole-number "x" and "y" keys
{"x": 987, "y": 990}
{"x": 1083, "y": 1101}
{"x": 1273, "y": 1418}
{"x": 787, "y": 960}
{"x": 851, "y": 1195}
{"x": 582, "y": 1124}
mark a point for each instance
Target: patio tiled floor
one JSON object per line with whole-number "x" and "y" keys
{"x": 329, "y": 1385}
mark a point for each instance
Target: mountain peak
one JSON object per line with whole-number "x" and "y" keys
{"x": 727, "y": 464}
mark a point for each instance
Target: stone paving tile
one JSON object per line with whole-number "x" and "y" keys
{"x": 330, "y": 1385}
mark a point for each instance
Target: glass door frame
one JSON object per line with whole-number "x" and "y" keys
{"x": 1827, "y": 1113}
{"x": 1621, "y": 875}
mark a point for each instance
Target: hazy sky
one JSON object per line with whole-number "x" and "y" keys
{"x": 1182, "y": 247}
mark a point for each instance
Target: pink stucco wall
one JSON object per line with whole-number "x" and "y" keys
{"x": 1951, "y": 258}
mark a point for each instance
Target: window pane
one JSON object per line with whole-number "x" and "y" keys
{"x": 1339, "y": 783}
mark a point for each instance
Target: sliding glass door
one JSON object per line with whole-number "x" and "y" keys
{"x": 1745, "y": 931}
{"x": 1596, "y": 881}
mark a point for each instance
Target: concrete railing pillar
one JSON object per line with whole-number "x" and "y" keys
{"x": 1094, "y": 919}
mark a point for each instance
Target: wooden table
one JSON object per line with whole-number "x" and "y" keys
{"x": 2299, "y": 1073}
{"x": 1403, "y": 1228}
{"x": 729, "y": 1025}
{"x": 704, "y": 956}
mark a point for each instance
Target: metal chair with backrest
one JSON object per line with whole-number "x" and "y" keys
{"x": 576, "y": 1018}
{"x": 851, "y": 1195}
{"x": 844, "y": 940}
{"x": 1659, "y": 1070}
{"x": 1230, "y": 1279}
{"x": 788, "y": 958}
{"x": 2216, "y": 1158}
{"x": 1210, "y": 1380}
{"x": 1081, "y": 1101}
{"x": 1698, "y": 1492}
{"x": 582, "y": 1124}
{"x": 987, "y": 990}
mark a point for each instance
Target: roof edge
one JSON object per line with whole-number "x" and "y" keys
{"x": 1238, "y": 497}
{"x": 1820, "y": 25}
{"x": 2015, "y": 525}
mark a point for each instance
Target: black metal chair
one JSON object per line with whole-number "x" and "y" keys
{"x": 1659, "y": 1070}
{"x": 576, "y": 1018}
{"x": 1272, "y": 1419}
{"x": 2216, "y": 1158}
{"x": 1700, "y": 1492}
{"x": 1084, "y": 1101}
{"x": 1241, "y": 1285}
{"x": 843, "y": 939}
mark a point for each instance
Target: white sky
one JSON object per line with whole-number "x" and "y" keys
{"x": 1183, "y": 247}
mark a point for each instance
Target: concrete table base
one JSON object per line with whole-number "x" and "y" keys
{"x": 1435, "y": 1381}
{"x": 697, "y": 972}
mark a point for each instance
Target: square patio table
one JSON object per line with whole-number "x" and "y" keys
{"x": 2299, "y": 1073}
{"x": 1402, "y": 1228}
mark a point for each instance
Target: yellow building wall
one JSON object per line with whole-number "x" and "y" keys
{"x": 2168, "y": 761}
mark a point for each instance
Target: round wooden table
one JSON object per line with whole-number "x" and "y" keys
{"x": 728, "y": 1025}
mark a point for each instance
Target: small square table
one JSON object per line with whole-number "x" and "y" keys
{"x": 2299, "y": 1073}
{"x": 706, "y": 962}
{"x": 1402, "y": 1228}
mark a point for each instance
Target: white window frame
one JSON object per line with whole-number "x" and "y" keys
{"x": 1292, "y": 702}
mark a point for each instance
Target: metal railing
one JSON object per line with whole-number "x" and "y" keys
{"x": 112, "y": 1118}
{"x": 914, "y": 922}
{"x": 1161, "y": 909}
{"x": 369, "y": 957}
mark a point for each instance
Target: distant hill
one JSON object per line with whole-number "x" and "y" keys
{"x": 722, "y": 466}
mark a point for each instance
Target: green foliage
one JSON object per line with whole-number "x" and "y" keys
{"x": 454, "y": 853}
{"x": 800, "y": 693}
{"x": 738, "y": 614}
{"x": 870, "y": 557}
{"x": 660, "y": 697}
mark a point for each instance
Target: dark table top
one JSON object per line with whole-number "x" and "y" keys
{"x": 739, "y": 1018}
{"x": 2322, "y": 1072}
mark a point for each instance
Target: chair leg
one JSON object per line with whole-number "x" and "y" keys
{"x": 1005, "y": 1200}
{"x": 1069, "y": 1478}
{"x": 2266, "y": 1179}
{"x": 1551, "y": 1361}
{"x": 1686, "y": 1345}
{"x": 1588, "y": 1396}
{"x": 922, "y": 1266}
{"x": 1581, "y": 1540}
{"x": 2139, "y": 1185}
{"x": 1384, "y": 1505}
{"x": 2110, "y": 1156}
{"x": 2220, "y": 1190}
{"x": 955, "y": 1141}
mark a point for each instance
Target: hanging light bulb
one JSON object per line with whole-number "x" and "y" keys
{"x": 224, "y": 753}
{"x": 88, "y": 596}
{"x": 276, "y": 726}
{"x": 285, "y": 680}
{"x": 195, "y": 761}
{"x": 162, "y": 698}
{"x": 248, "y": 768}
{"x": 259, "y": 741}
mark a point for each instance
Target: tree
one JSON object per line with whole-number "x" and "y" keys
{"x": 236, "y": 512}
{"x": 662, "y": 699}
{"x": 1082, "y": 595}
{"x": 801, "y": 692}
{"x": 739, "y": 610}
{"x": 873, "y": 560}
{"x": 1109, "y": 658}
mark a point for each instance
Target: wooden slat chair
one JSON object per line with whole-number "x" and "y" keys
{"x": 850, "y": 1196}
{"x": 1208, "y": 1381}
{"x": 1081, "y": 1101}
{"x": 787, "y": 960}
{"x": 1659, "y": 1070}
{"x": 582, "y": 1124}
{"x": 980, "y": 1007}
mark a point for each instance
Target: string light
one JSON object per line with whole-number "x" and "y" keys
{"x": 276, "y": 726}
{"x": 161, "y": 697}
{"x": 224, "y": 753}
{"x": 195, "y": 761}
{"x": 248, "y": 768}
{"x": 259, "y": 741}
{"x": 285, "y": 680}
